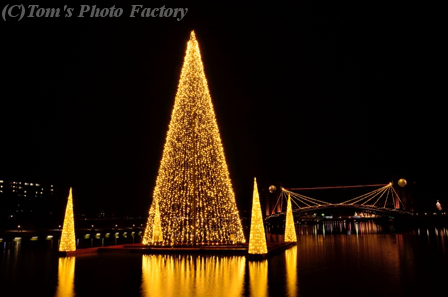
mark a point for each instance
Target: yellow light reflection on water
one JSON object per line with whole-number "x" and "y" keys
{"x": 258, "y": 275}
{"x": 66, "y": 277}
{"x": 291, "y": 271}
{"x": 442, "y": 238}
{"x": 186, "y": 275}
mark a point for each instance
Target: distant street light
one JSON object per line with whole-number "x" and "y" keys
{"x": 18, "y": 228}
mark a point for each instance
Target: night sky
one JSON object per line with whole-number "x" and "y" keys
{"x": 306, "y": 94}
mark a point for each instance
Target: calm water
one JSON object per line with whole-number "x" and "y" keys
{"x": 329, "y": 260}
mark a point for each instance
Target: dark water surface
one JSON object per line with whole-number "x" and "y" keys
{"x": 329, "y": 260}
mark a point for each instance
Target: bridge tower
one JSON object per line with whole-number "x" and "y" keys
{"x": 271, "y": 198}
{"x": 405, "y": 192}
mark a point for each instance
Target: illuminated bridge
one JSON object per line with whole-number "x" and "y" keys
{"x": 384, "y": 201}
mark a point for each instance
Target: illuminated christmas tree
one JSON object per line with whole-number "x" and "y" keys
{"x": 193, "y": 189}
{"x": 290, "y": 230}
{"x": 257, "y": 237}
{"x": 157, "y": 234}
{"x": 68, "y": 238}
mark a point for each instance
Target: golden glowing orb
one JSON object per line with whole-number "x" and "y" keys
{"x": 402, "y": 182}
{"x": 272, "y": 189}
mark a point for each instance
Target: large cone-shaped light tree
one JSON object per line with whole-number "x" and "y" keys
{"x": 257, "y": 237}
{"x": 290, "y": 229}
{"x": 68, "y": 237}
{"x": 193, "y": 192}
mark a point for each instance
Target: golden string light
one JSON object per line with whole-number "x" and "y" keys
{"x": 68, "y": 238}
{"x": 257, "y": 237}
{"x": 193, "y": 189}
{"x": 290, "y": 230}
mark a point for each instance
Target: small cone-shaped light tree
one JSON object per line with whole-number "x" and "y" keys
{"x": 193, "y": 189}
{"x": 68, "y": 238}
{"x": 257, "y": 237}
{"x": 290, "y": 229}
{"x": 157, "y": 235}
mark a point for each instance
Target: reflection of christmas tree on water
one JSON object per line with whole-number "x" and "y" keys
{"x": 193, "y": 200}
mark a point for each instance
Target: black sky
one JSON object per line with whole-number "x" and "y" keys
{"x": 306, "y": 94}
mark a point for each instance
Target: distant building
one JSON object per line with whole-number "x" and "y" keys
{"x": 27, "y": 202}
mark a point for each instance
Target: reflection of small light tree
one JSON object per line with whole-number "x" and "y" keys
{"x": 193, "y": 200}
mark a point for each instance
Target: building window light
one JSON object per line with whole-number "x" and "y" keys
{"x": 26, "y": 184}
{"x": 31, "y": 184}
{"x": 37, "y": 185}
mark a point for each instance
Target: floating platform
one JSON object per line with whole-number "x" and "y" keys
{"x": 229, "y": 250}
